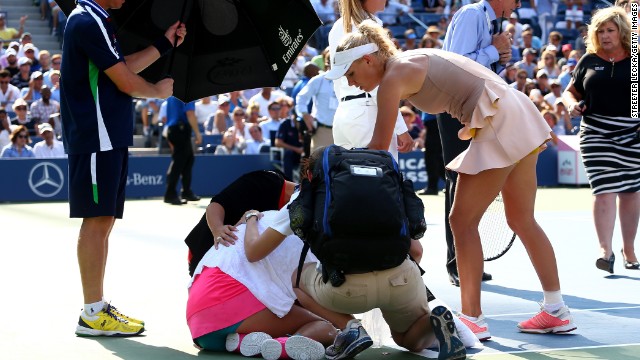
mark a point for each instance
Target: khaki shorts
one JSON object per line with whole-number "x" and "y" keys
{"x": 398, "y": 292}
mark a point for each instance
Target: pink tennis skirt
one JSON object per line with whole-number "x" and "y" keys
{"x": 216, "y": 301}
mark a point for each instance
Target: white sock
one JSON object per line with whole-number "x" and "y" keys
{"x": 552, "y": 301}
{"x": 93, "y": 308}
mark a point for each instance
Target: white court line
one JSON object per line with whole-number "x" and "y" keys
{"x": 572, "y": 310}
{"x": 550, "y": 350}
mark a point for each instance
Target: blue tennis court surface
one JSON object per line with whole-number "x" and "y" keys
{"x": 40, "y": 296}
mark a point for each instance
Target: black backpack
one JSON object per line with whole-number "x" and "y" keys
{"x": 357, "y": 214}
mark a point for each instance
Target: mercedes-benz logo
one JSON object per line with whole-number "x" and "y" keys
{"x": 46, "y": 179}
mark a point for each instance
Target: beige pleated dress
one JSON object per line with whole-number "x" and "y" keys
{"x": 504, "y": 125}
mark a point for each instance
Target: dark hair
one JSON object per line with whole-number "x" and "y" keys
{"x": 307, "y": 164}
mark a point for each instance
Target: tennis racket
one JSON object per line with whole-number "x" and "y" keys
{"x": 495, "y": 235}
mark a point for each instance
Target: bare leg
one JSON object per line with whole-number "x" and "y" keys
{"x": 629, "y": 209}
{"x": 43, "y": 9}
{"x": 418, "y": 337}
{"x": 144, "y": 116}
{"x": 298, "y": 321}
{"x": 337, "y": 319}
{"x": 54, "y": 15}
{"x": 604, "y": 216}
{"x": 415, "y": 250}
{"x": 519, "y": 195}
{"x": 474, "y": 194}
{"x": 92, "y": 255}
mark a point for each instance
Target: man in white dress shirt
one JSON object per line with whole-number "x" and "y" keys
{"x": 49, "y": 147}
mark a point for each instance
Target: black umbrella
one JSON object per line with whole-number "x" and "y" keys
{"x": 230, "y": 44}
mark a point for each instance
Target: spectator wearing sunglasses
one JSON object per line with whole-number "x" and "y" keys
{"x": 18, "y": 147}
{"x": 23, "y": 117}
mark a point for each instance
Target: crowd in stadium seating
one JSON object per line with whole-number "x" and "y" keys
{"x": 29, "y": 88}
{"x": 540, "y": 67}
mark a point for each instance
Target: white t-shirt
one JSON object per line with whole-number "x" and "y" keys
{"x": 7, "y": 98}
{"x": 280, "y": 221}
{"x": 269, "y": 126}
{"x": 203, "y": 111}
{"x": 253, "y": 147}
{"x": 4, "y": 138}
{"x": 264, "y": 103}
{"x": 41, "y": 150}
{"x": 355, "y": 120}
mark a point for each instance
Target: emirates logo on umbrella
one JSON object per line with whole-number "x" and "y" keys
{"x": 293, "y": 44}
{"x": 221, "y": 52}
{"x": 284, "y": 36}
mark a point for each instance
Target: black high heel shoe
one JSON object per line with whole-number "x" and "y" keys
{"x": 606, "y": 265}
{"x": 630, "y": 265}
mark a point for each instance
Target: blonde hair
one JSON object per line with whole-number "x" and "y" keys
{"x": 253, "y": 107}
{"x": 541, "y": 64}
{"x": 619, "y": 17}
{"x": 352, "y": 12}
{"x": 370, "y": 32}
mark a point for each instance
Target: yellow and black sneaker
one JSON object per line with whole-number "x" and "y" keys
{"x": 117, "y": 313}
{"x": 106, "y": 323}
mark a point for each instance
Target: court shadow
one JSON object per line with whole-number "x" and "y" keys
{"x": 574, "y": 302}
{"x": 625, "y": 277}
{"x": 129, "y": 349}
{"x": 506, "y": 338}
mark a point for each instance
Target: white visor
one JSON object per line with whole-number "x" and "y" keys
{"x": 343, "y": 60}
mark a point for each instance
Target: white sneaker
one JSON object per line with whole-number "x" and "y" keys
{"x": 295, "y": 347}
{"x": 479, "y": 327}
{"x": 246, "y": 344}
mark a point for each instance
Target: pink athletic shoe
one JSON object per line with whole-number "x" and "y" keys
{"x": 544, "y": 322}
{"x": 479, "y": 327}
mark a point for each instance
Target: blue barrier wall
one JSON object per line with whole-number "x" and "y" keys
{"x": 46, "y": 179}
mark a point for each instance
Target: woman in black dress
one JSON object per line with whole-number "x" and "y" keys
{"x": 609, "y": 138}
